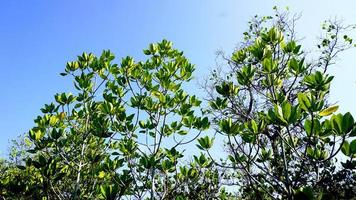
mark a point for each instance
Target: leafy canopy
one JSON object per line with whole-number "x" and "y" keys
{"x": 124, "y": 131}
{"x": 271, "y": 107}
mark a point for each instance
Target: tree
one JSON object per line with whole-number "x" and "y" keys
{"x": 120, "y": 134}
{"x": 16, "y": 180}
{"x": 282, "y": 135}
{"x": 123, "y": 133}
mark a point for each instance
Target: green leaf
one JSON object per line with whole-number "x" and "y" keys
{"x": 294, "y": 65}
{"x": 353, "y": 132}
{"x": 36, "y": 134}
{"x": 269, "y": 65}
{"x": 308, "y": 127}
{"x": 310, "y": 152}
{"x": 286, "y": 108}
{"x": 227, "y": 89}
{"x": 347, "y": 122}
{"x": 182, "y": 132}
{"x": 279, "y": 110}
{"x": 280, "y": 115}
{"x": 205, "y": 123}
{"x": 337, "y": 123}
{"x": 353, "y": 147}
{"x": 225, "y": 125}
{"x": 342, "y": 124}
{"x": 254, "y": 126}
{"x": 205, "y": 143}
{"x": 56, "y": 133}
{"x": 106, "y": 191}
{"x": 345, "y": 149}
{"x": 328, "y": 111}
{"x": 248, "y": 137}
{"x": 304, "y": 101}
{"x": 239, "y": 56}
{"x": 289, "y": 47}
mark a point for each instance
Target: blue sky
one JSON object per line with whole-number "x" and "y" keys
{"x": 37, "y": 38}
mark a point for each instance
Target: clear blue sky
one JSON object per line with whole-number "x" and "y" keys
{"x": 37, "y": 38}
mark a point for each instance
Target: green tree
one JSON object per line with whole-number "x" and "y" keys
{"x": 17, "y": 181}
{"x": 283, "y": 136}
{"x": 121, "y": 134}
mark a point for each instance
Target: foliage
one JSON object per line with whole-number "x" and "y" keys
{"x": 119, "y": 135}
{"x": 283, "y": 136}
{"x": 124, "y": 132}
